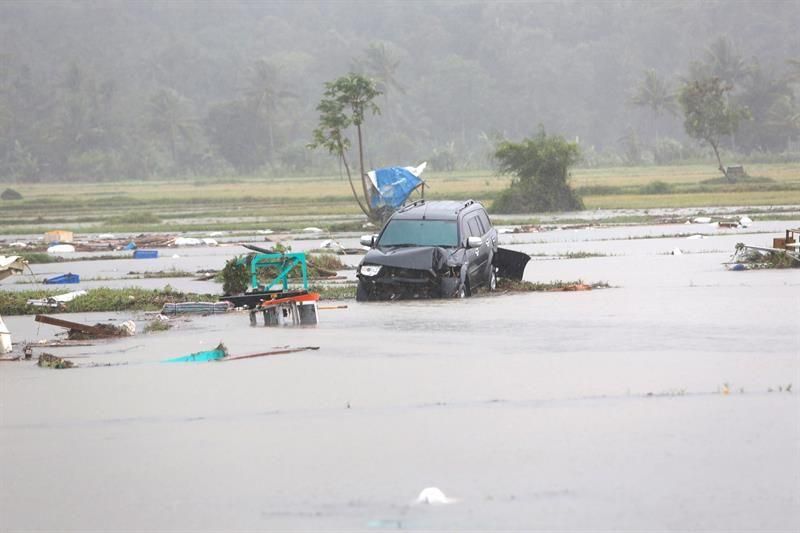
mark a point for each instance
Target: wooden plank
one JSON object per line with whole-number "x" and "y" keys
{"x": 264, "y": 354}
{"x": 83, "y": 328}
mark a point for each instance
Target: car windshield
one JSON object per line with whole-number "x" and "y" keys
{"x": 420, "y": 233}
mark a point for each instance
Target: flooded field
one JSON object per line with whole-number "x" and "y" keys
{"x": 660, "y": 403}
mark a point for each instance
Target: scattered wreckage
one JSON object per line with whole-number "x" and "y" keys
{"x": 435, "y": 249}
{"x": 278, "y": 304}
{"x": 784, "y": 253}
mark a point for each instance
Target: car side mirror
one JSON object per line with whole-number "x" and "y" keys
{"x": 474, "y": 242}
{"x": 368, "y": 240}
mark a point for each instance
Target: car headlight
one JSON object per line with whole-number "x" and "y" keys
{"x": 370, "y": 270}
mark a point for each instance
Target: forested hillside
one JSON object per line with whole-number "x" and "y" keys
{"x": 112, "y": 90}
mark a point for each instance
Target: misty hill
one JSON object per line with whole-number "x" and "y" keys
{"x": 113, "y": 90}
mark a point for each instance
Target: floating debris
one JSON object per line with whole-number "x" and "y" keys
{"x": 201, "y": 357}
{"x": 434, "y": 496}
{"x": 56, "y": 301}
{"x": 5, "y": 338}
{"x": 78, "y": 331}
{"x": 145, "y": 254}
{"x": 63, "y": 278}
{"x": 203, "y": 308}
{"x": 61, "y": 249}
{"x": 48, "y": 360}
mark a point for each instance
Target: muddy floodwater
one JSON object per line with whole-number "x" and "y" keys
{"x": 670, "y": 401}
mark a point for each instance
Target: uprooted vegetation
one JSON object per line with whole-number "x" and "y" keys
{"x": 509, "y": 285}
{"x": 754, "y": 258}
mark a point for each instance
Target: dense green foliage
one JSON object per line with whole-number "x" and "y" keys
{"x": 138, "y": 89}
{"x": 540, "y": 167}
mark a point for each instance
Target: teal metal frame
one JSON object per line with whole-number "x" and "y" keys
{"x": 284, "y": 262}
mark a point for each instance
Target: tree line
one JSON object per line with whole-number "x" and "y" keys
{"x": 136, "y": 90}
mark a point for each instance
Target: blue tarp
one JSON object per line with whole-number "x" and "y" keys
{"x": 145, "y": 254}
{"x": 64, "y": 278}
{"x": 394, "y": 185}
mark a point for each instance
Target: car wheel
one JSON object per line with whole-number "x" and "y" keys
{"x": 362, "y": 292}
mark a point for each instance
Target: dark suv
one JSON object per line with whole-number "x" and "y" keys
{"x": 434, "y": 249}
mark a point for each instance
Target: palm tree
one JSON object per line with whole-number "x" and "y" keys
{"x": 381, "y": 65}
{"x": 654, "y": 93}
{"x": 725, "y": 62}
{"x": 169, "y": 118}
{"x": 265, "y": 93}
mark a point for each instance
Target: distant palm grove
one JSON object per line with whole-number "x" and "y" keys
{"x": 121, "y": 90}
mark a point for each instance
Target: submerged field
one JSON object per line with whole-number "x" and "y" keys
{"x": 288, "y": 203}
{"x": 666, "y": 402}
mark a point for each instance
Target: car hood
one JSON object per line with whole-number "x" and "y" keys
{"x": 432, "y": 258}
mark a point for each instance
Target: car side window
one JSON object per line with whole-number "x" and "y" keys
{"x": 475, "y": 227}
{"x": 484, "y": 218}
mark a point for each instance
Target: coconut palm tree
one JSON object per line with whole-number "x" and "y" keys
{"x": 656, "y": 94}
{"x": 170, "y": 119}
{"x": 265, "y": 92}
{"x": 725, "y": 62}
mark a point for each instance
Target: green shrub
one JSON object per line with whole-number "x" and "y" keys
{"x": 656, "y": 187}
{"x": 540, "y": 168}
{"x": 10, "y": 194}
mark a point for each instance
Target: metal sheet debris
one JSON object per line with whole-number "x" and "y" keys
{"x": 202, "y": 308}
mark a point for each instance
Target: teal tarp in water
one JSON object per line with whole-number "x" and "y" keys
{"x": 201, "y": 357}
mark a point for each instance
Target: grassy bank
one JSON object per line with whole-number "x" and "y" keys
{"x": 130, "y": 299}
{"x": 249, "y": 203}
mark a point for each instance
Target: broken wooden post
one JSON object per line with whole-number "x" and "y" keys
{"x": 98, "y": 331}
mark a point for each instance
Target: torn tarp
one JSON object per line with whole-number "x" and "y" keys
{"x": 391, "y": 186}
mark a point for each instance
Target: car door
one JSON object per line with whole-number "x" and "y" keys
{"x": 478, "y": 257}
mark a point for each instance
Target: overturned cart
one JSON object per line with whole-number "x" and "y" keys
{"x": 269, "y": 293}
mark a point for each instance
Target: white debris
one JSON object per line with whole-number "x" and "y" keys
{"x": 176, "y": 256}
{"x": 504, "y": 229}
{"x": 368, "y": 225}
{"x": 187, "y": 241}
{"x": 264, "y": 232}
{"x": 210, "y": 242}
{"x": 61, "y": 249}
{"x": 216, "y": 234}
{"x": 434, "y": 496}
{"x": 702, "y": 220}
{"x": 18, "y": 245}
{"x": 55, "y": 301}
{"x": 5, "y": 338}
{"x": 129, "y": 327}
{"x": 68, "y": 297}
{"x": 695, "y": 237}
{"x": 677, "y": 251}
{"x": 330, "y": 244}
{"x": 745, "y": 221}
{"x": 312, "y": 229}
{"x": 106, "y": 236}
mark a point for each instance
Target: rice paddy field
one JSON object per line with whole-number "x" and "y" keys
{"x": 244, "y": 203}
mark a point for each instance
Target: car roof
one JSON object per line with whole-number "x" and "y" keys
{"x": 437, "y": 210}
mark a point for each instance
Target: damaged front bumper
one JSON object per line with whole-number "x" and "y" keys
{"x": 391, "y": 283}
